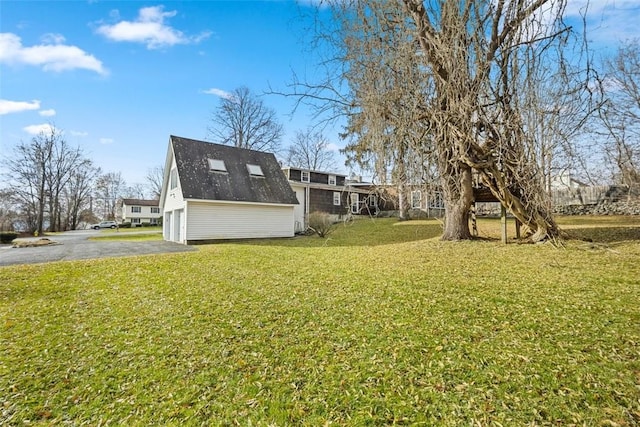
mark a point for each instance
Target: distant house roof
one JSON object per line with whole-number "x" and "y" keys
{"x": 204, "y": 180}
{"x": 141, "y": 202}
{"x": 284, "y": 168}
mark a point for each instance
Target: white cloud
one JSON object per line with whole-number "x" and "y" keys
{"x": 51, "y": 57}
{"x": 607, "y": 20}
{"x": 79, "y": 133}
{"x": 45, "y": 128}
{"x": 596, "y": 7}
{"x": 150, "y": 29}
{"x": 333, "y": 147}
{"x": 106, "y": 141}
{"x": 52, "y": 38}
{"x": 219, "y": 92}
{"x": 47, "y": 113}
{"x": 7, "y": 107}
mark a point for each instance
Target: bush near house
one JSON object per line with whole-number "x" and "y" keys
{"x": 321, "y": 223}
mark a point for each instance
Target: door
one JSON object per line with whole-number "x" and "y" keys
{"x": 167, "y": 226}
{"x": 299, "y": 210}
{"x": 177, "y": 225}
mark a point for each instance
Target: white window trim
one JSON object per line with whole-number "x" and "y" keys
{"x": 354, "y": 200}
{"x": 302, "y": 174}
{"x": 333, "y": 180}
{"x": 336, "y": 198}
{"x": 136, "y": 209}
{"x": 416, "y": 196}
{"x": 173, "y": 179}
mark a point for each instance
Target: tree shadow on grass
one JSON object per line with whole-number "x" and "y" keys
{"x": 604, "y": 234}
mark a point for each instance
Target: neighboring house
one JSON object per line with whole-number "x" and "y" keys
{"x": 328, "y": 192}
{"x": 213, "y": 191}
{"x": 138, "y": 211}
{"x": 564, "y": 180}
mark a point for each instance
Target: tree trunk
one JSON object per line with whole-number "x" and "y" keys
{"x": 402, "y": 202}
{"x": 525, "y": 203}
{"x": 458, "y": 196}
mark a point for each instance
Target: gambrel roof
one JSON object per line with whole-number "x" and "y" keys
{"x": 244, "y": 176}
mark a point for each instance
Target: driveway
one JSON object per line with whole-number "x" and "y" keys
{"x": 74, "y": 245}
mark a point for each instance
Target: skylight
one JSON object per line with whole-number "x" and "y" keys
{"x": 254, "y": 170}
{"x": 216, "y": 165}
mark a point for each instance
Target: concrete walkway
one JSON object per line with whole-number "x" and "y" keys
{"x": 75, "y": 245}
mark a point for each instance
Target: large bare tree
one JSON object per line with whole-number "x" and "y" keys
{"x": 244, "y": 121}
{"x": 481, "y": 55}
{"x": 621, "y": 113}
{"x": 452, "y": 79}
{"x": 310, "y": 150}
{"x": 40, "y": 173}
{"x": 390, "y": 91}
{"x": 154, "y": 179}
{"x": 77, "y": 193}
{"x": 109, "y": 188}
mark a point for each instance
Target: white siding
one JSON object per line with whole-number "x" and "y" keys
{"x": 173, "y": 212}
{"x": 300, "y": 209}
{"x": 173, "y": 199}
{"x": 144, "y": 215}
{"x": 218, "y": 220}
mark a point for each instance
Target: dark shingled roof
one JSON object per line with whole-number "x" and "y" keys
{"x": 236, "y": 185}
{"x": 141, "y": 202}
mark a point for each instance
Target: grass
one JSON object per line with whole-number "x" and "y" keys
{"x": 157, "y": 229}
{"x": 140, "y": 236}
{"x": 379, "y": 324}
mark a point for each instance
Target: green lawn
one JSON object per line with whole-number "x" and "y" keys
{"x": 155, "y": 228}
{"x": 379, "y": 324}
{"x": 129, "y": 236}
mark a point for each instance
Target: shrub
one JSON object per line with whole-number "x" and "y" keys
{"x": 125, "y": 225}
{"x": 7, "y": 236}
{"x": 321, "y": 223}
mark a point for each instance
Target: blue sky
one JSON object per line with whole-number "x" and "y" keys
{"x": 119, "y": 77}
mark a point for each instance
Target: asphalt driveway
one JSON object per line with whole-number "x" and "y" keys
{"x": 74, "y": 245}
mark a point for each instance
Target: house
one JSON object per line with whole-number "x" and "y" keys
{"x": 213, "y": 191}
{"x": 328, "y": 192}
{"x": 138, "y": 211}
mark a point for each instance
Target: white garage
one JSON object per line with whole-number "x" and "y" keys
{"x": 215, "y": 192}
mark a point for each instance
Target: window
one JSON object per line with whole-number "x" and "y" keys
{"x": 332, "y": 180}
{"x": 174, "y": 179}
{"x": 135, "y": 220}
{"x": 155, "y": 210}
{"x": 355, "y": 203}
{"x": 416, "y": 199}
{"x": 305, "y": 176}
{"x": 336, "y": 198}
{"x": 373, "y": 200}
{"x": 255, "y": 170}
{"x": 136, "y": 209}
{"x": 435, "y": 201}
{"x": 216, "y": 165}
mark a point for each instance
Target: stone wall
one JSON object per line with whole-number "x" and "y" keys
{"x": 603, "y": 208}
